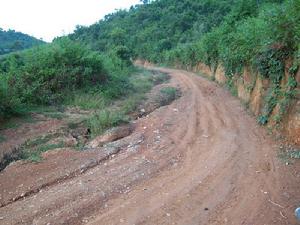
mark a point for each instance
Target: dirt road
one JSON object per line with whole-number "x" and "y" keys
{"x": 200, "y": 160}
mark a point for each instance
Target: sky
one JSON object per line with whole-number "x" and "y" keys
{"x": 48, "y": 19}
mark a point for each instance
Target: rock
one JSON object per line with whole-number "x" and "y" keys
{"x": 297, "y": 213}
{"x": 111, "y": 135}
{"x": 80, "y": 132}
{"x": 70, "y": 141}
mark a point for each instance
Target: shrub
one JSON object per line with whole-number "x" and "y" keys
{"x": 49, "y": 72}
{"x": 167, "y": 95}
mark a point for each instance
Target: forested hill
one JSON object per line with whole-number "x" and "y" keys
{"x": 11, "y": 41}
{"x": 149, "y": 29}
{"x": 233, "y": 32}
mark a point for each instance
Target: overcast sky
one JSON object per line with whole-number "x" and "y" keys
{"x": 51, "y": 18}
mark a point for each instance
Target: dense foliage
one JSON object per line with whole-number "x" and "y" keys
{"x": 11, "y": 41}
{"x": 48, "y": 74}
{"x": 148, "y": 30}
{"x": 232, "y": 32}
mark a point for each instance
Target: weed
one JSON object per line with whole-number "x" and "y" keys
{"x": 31, "y": 150}
{"x": 105, "y": 119}
{"x": 288, "y": 96}
{"x": 295, "y": 154}
{"x": 231, "y": 86}
{"x": 262, "y": 119}
{"x": 38, "y": 141}
{"x": 34, "y": 154}
{"x": 288, "y": 154}
{"x": 131, "y": 103}
{"x": 88, "y": 100}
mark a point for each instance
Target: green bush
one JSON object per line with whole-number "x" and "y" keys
{"x": 167, "y": 95}
{"x": 49, "y": 74}
{"x": 271, "y": 62}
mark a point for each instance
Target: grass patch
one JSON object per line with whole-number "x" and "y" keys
{"x": 38, "y": 141}
{"x": 131, "y": 104}
{"x": 26, "y": 116}
{"x": 13, "y": 123}
{"x": 109, "y": 115}
{"x": 34, "y": 154}
{"x": 295, "y": 154}
{"x": 31, "y": 150}
{"x": 104, "y": 120}
{"x": 73, "y": 125}
{"x": 87, "y": 101}
{"x": 2, "y": 139}
{"x": 168, "y": 95}
{"x": 288, "y": 154}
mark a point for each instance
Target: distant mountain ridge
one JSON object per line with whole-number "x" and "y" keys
{"x": 11, "y": 41}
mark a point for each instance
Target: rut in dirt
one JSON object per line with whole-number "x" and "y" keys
{"x": 202, "y": 160}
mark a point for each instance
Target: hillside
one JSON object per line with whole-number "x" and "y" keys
{"x": 11, "y": 41}
{"x": 148, "y": 30}
{"x": 226, "y": 38}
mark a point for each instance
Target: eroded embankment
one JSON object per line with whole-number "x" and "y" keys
{"x": 276, "y": 107}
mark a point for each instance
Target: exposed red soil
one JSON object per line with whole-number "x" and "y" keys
{"x": 200, "y": 160}
{"x": 16, "y": 137}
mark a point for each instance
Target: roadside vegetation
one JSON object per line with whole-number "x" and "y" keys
{"x": 110, "y": 113}
{"x": 53, "y": 74}
{"x": 96, "y": 112}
